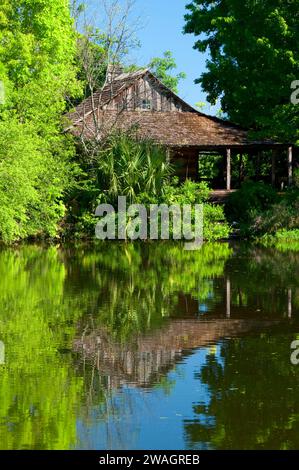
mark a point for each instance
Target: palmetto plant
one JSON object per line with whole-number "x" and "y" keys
{"x": 128, "y": 166}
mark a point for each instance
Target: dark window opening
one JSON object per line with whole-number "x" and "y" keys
{"x": 146, "y": 104}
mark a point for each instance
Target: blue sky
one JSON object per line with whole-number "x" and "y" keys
{"x": 163, "y": 22}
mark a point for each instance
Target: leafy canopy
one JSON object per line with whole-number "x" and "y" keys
{"x": 163, "y": 68}
{"x": 254, "y": 58}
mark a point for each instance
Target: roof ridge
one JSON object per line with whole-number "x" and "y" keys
{"x": 208, "y": 116}
{"x": 131, "y": 76}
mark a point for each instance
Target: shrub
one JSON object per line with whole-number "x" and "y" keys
{"x": 283, "y": 240}
{"x": 188, "y": 192}
{"x": 281, "y": 216}
{"x": 248, "y": 201}
{"x": 191, "y": 193}
{"x": 32, "y": 184}
{"x": 140, "y": 171}
{"x": 259, "y": 210}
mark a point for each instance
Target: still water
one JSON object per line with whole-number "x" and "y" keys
{"x": 146, "y": 346}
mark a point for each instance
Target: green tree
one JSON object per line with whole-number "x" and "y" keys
{"x": 254, "y": 58}
{"x": 39, "y": 388}
{"x": 37, "y": 51}
{"x": 163, "y": 68}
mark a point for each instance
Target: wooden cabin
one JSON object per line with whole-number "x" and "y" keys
{"x": 139, "y": 100}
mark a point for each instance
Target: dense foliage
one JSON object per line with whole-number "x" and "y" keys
{"x": 258, "y": 210}
{"x": 191, "y": 193}
{"x": 249, "y": 200}
{"x": 37, "y": 50}
{"x": 139, "y": 170}
{"x": 253, "y": 46}
{"x": 128, "y": 166}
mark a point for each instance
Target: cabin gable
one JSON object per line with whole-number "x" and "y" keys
{"x": 146, "y": 94}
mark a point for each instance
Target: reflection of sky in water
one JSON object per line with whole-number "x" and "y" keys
{"x": 203, "y": 308}
{"x": 150, "y": 419}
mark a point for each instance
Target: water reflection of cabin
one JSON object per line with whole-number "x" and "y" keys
{"x": 140, "y": 100}
{"x": 150, "y": 356}
{"x": 147, "y": 357}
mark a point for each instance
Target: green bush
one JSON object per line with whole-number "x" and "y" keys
{"x": 188, "y": 192}
{"x": 248, "y": 205}
{"x": 32, "y": 184}
{"x": 259, "y": 210}
{"x": 281, "y": 216}
{"x": 283, "y": 240}
{"x": 139, "y": 170}
{"x": 215, "y": 224}
{"x": 191, "y": 193}
{"x": 172, "y": 193}
{"x": 125, "y": 166}
{"x": 250, "y": 199}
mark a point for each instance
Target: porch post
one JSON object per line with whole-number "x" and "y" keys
{"x": 273, "y": 176}
{"x": 228, "y": 169}
{"x": 290, "y": 166}
{"x": 197, "y": 157}
{"x": 241, "y": 168}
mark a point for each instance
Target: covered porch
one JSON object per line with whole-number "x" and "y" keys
{"x": 270, "y": 162}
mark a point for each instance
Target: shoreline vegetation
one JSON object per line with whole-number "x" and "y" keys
{"x": 255, "y": 213}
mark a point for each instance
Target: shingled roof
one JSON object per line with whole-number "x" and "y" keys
{"x": 186, "y": 127}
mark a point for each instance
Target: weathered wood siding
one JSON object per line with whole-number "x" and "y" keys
{"x": 146, "y": 91}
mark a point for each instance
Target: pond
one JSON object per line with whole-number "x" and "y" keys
{"x": 148, "y": 346}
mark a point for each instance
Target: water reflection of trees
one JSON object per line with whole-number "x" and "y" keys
{"x": 38, "y": 386}
{"x": 138, "y": 286}
{"x": 253, "y": 403}
{"x": 132, "y": 298}
{"x": 46, "y": 297}
{"x": 264, "y": 281}
{"x": 253, "y": 385}
{"x": 241, "y": 383}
